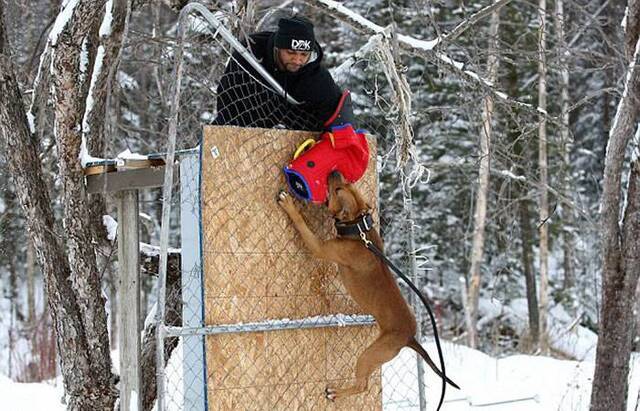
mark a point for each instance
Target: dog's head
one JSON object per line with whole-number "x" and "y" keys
{"x": 343, "y": 201}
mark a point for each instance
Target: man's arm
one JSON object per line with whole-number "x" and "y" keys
{"x": 324, "y": 97}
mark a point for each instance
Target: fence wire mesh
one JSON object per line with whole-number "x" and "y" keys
{"x": 238, "y": 339}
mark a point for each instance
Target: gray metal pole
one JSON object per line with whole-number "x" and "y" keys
{"x": 129, "y": 300}
{"x": 193, "y": 357}
{"x": 167, "y": 192}
{"x": 244, "y": 52}
{"x": 417, "y": 305}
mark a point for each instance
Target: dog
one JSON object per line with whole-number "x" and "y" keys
{"x": 366, "y": 278}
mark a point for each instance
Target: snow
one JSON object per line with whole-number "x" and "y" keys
{"x": 425, "y": 45}
{"x": 154, "y": 250}
{"x": 105, "y": 26}
{"x": 31, "y": 397}
{"x": 565, "y": 333}
{"x": 514, "y": 383}
{"x": 131, "y": 117}
{"x": 111, "y": 226}
{"x": 31, "y": 119}
{"x": 127, "y": 154}
{"x": 509, "y": 174}
{"x": 84, "y": 58}
{"x": 417, "y": 43}
{"x": 84, "y": 156}
{"x": 97, "y": 68}
{"x": 68, "y": 6}
{"x": 126, "y": 81}
{"x": 133, "y": 401}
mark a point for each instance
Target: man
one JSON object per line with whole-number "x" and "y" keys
{"x": 293, "y": 57}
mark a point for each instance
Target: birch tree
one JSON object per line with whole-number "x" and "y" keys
{"x": 480, "y": 213}
{"x": 620, "y": 233}
{"x": 566, "y": 145}
{"x": 543, "y": 176}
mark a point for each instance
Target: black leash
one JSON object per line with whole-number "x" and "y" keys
{"x": 361, "y": 228}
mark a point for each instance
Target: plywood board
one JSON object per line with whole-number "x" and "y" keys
{"x": 256, "y": 268}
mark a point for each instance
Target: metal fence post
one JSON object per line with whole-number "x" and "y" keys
{"x": 192, "y": 309}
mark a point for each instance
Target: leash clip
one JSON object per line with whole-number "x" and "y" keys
{"x": 363, "y": 237}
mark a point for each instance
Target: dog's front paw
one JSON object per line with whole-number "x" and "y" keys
{"x": 282, "y": 195}
{"x": 330, "y": 393}
{"x": 285, "y": 201}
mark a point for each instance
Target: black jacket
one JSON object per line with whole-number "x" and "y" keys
{"x": 246, "y": 99}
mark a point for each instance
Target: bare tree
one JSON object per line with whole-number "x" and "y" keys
{"x": 620, "y": 233}
{"x": 566, "y": 144}
{"x": 543, "y": 166}
{"x": 479, "y": 217}
{"x": 89, "y": 385}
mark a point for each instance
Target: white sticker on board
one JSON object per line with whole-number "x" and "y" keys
{"x": 215, "y": 153}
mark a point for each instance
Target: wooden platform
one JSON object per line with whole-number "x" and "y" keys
{"x": 256, "y": 269}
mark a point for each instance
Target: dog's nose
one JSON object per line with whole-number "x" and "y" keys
{"x": 335, "y": 176}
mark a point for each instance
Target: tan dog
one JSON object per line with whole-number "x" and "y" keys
{"x": 367, "y": 279}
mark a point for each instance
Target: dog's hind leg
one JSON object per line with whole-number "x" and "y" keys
{"x": 383, "y": 349}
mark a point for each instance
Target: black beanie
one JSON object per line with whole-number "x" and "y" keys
{"x": 295, "y": 33}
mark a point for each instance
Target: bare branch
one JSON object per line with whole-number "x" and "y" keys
{"x": 473, "y": 19}
{"x": 424, "y": 48}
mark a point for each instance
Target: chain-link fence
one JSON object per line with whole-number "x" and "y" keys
{"x": 252, "y": 320}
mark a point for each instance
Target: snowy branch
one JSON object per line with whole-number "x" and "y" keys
{"x": 340, "y": 72}
{"x": 423, "y": 48}
{"x": 105, "y": 65}
{"x": 62, "y": 20}
{"x": 632, "y": 27}
{"x": 40, "y": 89}
{"x": 473, "y": 19}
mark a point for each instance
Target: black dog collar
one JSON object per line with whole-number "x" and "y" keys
{"x": 362, "y": 224}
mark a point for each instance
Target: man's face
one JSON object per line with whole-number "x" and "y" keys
{"x": 292, "y": 60}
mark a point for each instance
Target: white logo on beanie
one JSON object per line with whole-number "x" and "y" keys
{"x": 304, "y": 45}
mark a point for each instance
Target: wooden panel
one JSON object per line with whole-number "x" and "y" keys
{"x": 127, "y": 180}
{"x": 256, "y": 268}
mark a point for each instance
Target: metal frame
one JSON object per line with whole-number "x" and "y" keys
{"x": 230, "y": 38}
{"x": 272, "y": 325}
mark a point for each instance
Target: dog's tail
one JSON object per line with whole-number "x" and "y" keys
{"x": 415, "y": 345}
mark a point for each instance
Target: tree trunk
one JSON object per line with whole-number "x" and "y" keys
{"x": 89, "y": 385}
{"x": 526, "y": 234}
{"x": 95, "y": 118}
{"x": 566, "y": 144}
{"x": 69, "y": 102}
{"x": 621, "y": 250}
{"x": 31, "y": 285}
{"x": 521, "y": 152}
{"x": 543, "y": 169}
{"x": 173, "y": 310}
{"x": 479, "y": 217}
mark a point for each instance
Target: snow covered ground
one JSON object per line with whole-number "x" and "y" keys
{"x": 515, "y": 383}
{"x": 31, "y": 397}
